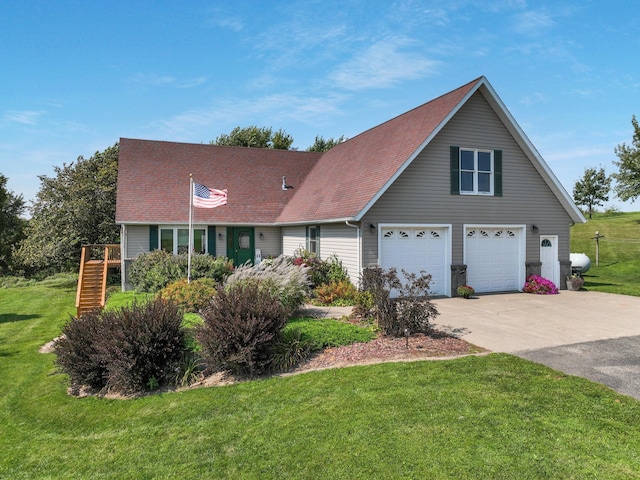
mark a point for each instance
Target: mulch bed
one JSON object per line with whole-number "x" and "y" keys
{"x": 388, "y": 349}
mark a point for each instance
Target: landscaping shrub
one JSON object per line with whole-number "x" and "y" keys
{"x": 338, "y": 293}
{"x": 288, "y": 349}
{"x": 336, "y": 272}
{"x": 76, "y": 353}
{"x": 150, "y": 272}
{"x": 240, "y": 325}
{"x": 287, "y": 282}
{"x": 190, "y": 297}
{"x": 127, "y": 350}
{"x": 410, "y": 311}
{"x": 539, "y": 285}
{"x": 321, "y": 271}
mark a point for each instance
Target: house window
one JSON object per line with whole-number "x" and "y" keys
{"x": 176, "y": 240}
{"x": 476, "y": 172}
{"x": 313, "y": 240}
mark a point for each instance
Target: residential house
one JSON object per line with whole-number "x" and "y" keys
{"x": 453, "y": 187}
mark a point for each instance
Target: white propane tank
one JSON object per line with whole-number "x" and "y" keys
{"x": 580, "y": 260}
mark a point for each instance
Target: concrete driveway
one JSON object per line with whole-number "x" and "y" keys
{"x": 590, "y": 334}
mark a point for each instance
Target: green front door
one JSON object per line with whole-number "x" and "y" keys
{"x": 240, "y": 244}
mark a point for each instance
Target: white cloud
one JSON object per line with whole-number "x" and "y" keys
{"x": 226, "y": 20}
{"x": 588, "y": 152}
{"x": 166, "y": 80}
{"x": 270, "y": 110}
{"x": 533, "y": 98}
{"x": 25, "y": 117}
{"x": 532, "y": 22}
{"x": 383, "y": 65}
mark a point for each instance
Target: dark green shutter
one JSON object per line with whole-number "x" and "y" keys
{"x": 211, "y": 240}
{"x": 153, "y": 237}
{"x": 454, "y": 158}
{"x": 497, "y": 173}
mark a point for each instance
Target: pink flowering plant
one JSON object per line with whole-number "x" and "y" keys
{"x": 539, "y": 285}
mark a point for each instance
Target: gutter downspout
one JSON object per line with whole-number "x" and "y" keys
{"x": 123, "y": 254}
{"x": 359, "y": 242}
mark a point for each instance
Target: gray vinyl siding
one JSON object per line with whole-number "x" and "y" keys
{"x": 335, "y": 239}
{"x": 293, "y": 238}
{"x": 422, "y": 192}
{"x": 137, "y": 240}
{"x": 342, "y": 241}
{"x": 271, "y": 243}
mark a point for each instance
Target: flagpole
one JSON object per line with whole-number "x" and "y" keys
{"x": 190, "y": 247}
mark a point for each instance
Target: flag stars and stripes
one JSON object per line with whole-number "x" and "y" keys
{"x": 204, "y": 197}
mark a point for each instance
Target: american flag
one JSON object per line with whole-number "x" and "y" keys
{"x": 204, "y": 197}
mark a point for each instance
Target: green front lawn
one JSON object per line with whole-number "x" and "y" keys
{"x": 619, "y": 269}
{"x": 493, "y": 416}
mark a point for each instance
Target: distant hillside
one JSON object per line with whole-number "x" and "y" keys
{"x": 621, "y": 242}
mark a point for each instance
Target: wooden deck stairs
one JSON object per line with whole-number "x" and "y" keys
{"x": 95, "y": 262}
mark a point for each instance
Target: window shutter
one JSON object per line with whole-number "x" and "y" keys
{"x": 454, "y": 158}
{"x": 153, "y": 237}
{"x": 211, "y": 240}
{"x": 497, "y": 173}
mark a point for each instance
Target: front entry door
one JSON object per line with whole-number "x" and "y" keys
{"x": 550, "y": 268}
{"x": 241, "y": 244}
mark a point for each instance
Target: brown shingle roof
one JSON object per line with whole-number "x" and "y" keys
{"x": 341, "y": 184}
{"x": 350, "y": 175}
{"x": 153, "y": 181}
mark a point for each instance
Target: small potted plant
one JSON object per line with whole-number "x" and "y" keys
{"x": 574, "y": 282}
{"x": 465, "y": 291}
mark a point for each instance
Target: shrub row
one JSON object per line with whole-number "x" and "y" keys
{"x": 150, "y": 272}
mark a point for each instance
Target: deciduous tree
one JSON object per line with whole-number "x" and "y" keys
{"x": 255, "y": 137}
{"x": 628, "y": 176}
{"x": 11, "y": 224}
{"x": 592, "y": 189}
{"x": 322, "y": 145}
{"x": 75, "y": 207}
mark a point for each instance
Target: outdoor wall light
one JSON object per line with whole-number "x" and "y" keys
{"x": 220, "y": 236}
{"x": 372, "y": 226}
{"x": 534, "y": 228}
{"x": 261, "y": 236}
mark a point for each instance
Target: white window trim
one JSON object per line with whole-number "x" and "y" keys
{"x": 175, "y": 229}
{"x": 317, "y": 239}
{"x": 475, "y": 171}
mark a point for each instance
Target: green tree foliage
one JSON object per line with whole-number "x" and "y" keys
{"x": 322, "y": 145}
{"x": 75, "y": 207}
{"x": 255, "y": 137}
{"x": 592, "y": 189}
{"x": 628, "y": 177}
{"x": 11, "y": 225}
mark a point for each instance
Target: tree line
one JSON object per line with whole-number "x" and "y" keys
{"x": 77, "y": 205}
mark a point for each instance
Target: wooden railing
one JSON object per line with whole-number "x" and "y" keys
{"x": 95, "y": 261}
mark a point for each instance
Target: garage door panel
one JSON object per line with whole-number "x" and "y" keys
{"x": 416, "y": 249}
{"x": 493, "y": 258}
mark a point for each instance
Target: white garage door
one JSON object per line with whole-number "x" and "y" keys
{"x": 494, "y": 259}
{"x": 417, "y": 248}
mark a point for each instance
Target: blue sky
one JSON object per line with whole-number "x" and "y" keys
{"x": 78, "y": 75}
